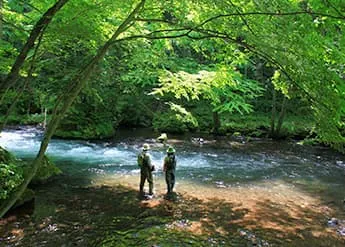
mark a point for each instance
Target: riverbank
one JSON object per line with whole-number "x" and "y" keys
{"x": 248, "y": 126}
{"x": 110, "y": 213}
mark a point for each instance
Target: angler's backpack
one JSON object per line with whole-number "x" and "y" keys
{"x": 171, "y": 163}
{"x": 141, "y": 159}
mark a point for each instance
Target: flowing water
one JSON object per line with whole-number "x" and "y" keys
{"x": 277, "y": 193}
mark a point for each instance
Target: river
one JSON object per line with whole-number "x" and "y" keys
{"x": 229, "y": 193}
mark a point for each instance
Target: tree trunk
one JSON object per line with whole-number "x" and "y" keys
{"x": 26, "y": 83}
{"x": 63, "y": 105}
{"x": 281, "y": 118}
{"x": 1, "y": 16}
{"x": 273, "y": 112}
{"x": 44, "y": 125}
{"x": 216, "y": 123}
{"x": 43, "y": 22}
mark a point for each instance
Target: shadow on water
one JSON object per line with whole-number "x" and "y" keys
{"x": 73, "y": 215}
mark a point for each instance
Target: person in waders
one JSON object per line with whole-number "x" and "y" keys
{"x": 146, "y": 169}
{"x": 169, "y": 167}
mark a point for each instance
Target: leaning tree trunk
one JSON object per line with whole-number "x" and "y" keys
{"x": 26, "y": 83}
{"x": 43, "y": 22}
{"x": 65, "y": 102}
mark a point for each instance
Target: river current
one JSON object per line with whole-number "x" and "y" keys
{"x": 220, "y": 164}
{"x": 244, "y": 171}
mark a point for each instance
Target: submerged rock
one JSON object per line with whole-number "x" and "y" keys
{"x": 341, "y": 231}
{"x": 338, "y": 225}
{"x": 333, "y": 222}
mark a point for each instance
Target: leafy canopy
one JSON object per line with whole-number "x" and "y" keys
{"x": 225, "y": 88}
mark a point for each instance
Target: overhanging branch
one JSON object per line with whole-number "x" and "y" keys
{"x": 270, "y": 14}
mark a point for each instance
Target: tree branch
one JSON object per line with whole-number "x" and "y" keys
{"x": 25, "y": 85}
{"x": 14, "y": 26}
{"x": 242, "y": 18}
{"x": 262, "y": 54}
{"x": 151, "y": 35}
{"x": 333, "y": 7}
{"x": 32, "y": 6}
{"x": 270, "y": 14}
{"x": 154, "y": 20}
{"x": 12, "y": 77}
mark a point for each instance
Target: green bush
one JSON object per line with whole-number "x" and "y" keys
{"x": 204, "y": 115}
{"x": 11, "y": 175}
{"x": 85, "y": 130}
{"x": 24, "y": 119}
{"x": 10, "y": 178}
{"x": 176, "y": 120}
{"x": 252, "y": 125}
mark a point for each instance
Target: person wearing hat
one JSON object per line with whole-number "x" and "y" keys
{"x": 146, "y": 169}
{"x": 169, "y": 167}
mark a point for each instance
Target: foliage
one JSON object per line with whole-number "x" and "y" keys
{"x": 176, "y": 120}
{"x": 10, "y": 174}
{"x": 258, "y": 125}
{"x": 203, "y": 113}
{"x": 215, "y": 43}
{"x": 10, "y": 178}
{"x": 32, "y": 119}
{"x": 87, "y": 131}
{"x": 224, "y": 88}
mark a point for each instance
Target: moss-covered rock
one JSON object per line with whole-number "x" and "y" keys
{"x": 46, "y": 170}
{"x": 12, "y": 174}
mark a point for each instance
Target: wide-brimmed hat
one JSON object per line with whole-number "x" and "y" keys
{"x": 146, "y": 147}
{"x": 170, "y": 150}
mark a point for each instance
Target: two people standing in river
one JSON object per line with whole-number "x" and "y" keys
{"x": 146, "y": 169}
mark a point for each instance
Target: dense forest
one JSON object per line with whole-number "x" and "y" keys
{"x": 82, "y": 69}
{"x": 263, "y": 69}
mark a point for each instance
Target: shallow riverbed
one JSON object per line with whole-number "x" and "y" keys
{"x": 229, "y": 193}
